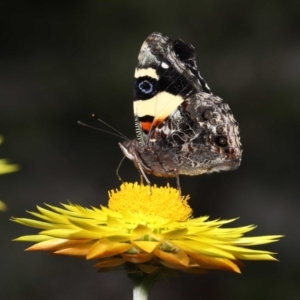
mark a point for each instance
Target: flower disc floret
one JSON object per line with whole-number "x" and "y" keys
{"x": 164, "y": 202}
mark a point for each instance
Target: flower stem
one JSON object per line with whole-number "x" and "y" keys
{"x": 142, "y": 284}
{"x": 140, "y": 292}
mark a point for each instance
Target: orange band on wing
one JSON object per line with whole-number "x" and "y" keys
{"x": 146, "y": 126}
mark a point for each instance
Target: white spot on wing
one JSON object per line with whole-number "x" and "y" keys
{"x": 164, "y": 65}
{"x": 145, "y": 72}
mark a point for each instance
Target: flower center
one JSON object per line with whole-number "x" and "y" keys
{"x": 164, "y": 202}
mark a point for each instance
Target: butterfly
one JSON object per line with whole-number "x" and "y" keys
{"x": 181, "y": 127}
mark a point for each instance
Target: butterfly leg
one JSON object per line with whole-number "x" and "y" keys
{"x": 118, "y": 168}
{"x": 178, "y": 183}
{"x": 143, "y": 176}
{"x": 141, "y": 179}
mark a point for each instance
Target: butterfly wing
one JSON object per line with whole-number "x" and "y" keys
{"x": 181, "y": 127}
{"x": 165, "y": 76}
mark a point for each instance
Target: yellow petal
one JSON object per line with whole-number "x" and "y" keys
{"x": 206, "y": 262}
{"x": 148, "y": 269}
{"x": 179, "y": 258}
{"x": 146, "y": 246}
{"x": 106, "y": 248}
{"x": 33, "y": 238}
{"x": 53, "y": 216}
{"x": 5, "y": 167}
{"x": 173, "y": 234}
{"x": 82, "y": 224}
{"x": 3, "y": 206}
{"x": 236, "y": 251}
{"x": 113, "y": 222}
{"x": 33, "y": 223}
{"x": 79, "y": 250}
{"x": 62, "y": 233}
{"x": 111, "y": 262}
{"x": 189, "y": 269}
{"x": 202, "y": 248}
{"x": 121, "y": 237}
{"x": 257, "y": 257}
{"x": 137, "y": 258}
{"x": 53, "y": 245}
{"x": 141, "y": 229}
{"x": 257, "y": 240}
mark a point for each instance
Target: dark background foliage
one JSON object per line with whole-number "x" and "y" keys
{"x": 60, "y": 61}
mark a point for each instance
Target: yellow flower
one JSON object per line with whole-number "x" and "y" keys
{"x": 148, "y": 230}
{"x": 5, "y": 167}
{"x": 3, "y": 206}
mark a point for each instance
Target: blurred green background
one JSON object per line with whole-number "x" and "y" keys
{"x": 60, "y": 61}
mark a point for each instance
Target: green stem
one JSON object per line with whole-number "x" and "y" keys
{"x": 142, "y": 284}
{"x": 140, "y": 292}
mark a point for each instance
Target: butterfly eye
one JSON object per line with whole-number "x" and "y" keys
{"x": 183, "y": 51}
{"x": 146, "y": 87}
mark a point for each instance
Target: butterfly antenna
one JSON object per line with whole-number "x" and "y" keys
{"x": 103, "y": 130}
{"x": 109, "y": 126}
